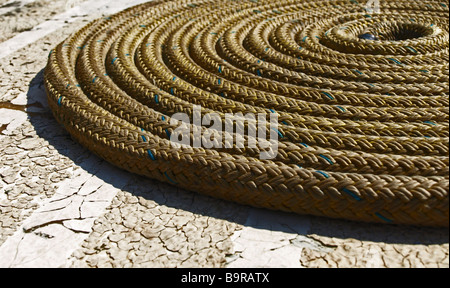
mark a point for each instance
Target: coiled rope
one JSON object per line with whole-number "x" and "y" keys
{"x": 363, "y": 124}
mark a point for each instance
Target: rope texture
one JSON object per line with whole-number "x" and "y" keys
{"x": 363, "y": 124}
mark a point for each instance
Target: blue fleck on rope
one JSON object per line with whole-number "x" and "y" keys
{"x": 412, "y": 49}
{"x": 150, "y": 154}
{"x": 326, "y": 158}
{"x": 284, "y": 122}
{"x": 430, "y": 122}
{"x": 356, "y": 197}
{"x": 304, "y": 145}
{"x": 323, "y": 174}
{"x": 167, "y": 176}
{"x": 279, "y": 133}
{"x": 383, "y": 218}
{"x": 167, "y": 130}
{"x": 114, "y": 60}
{"x": 341, "y": 108}
{"x": 328, "y": 95}
{"x": 396, "y": 61}
{"x": 59, "y": 101}
{"x": 156, "y": 98}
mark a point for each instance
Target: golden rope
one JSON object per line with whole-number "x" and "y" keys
{"x": 361, "y": 100}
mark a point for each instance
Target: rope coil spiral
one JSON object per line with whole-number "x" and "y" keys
{"x": 363, "y": 123}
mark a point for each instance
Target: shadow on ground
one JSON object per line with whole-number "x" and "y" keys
{"x": 47, "y": 127}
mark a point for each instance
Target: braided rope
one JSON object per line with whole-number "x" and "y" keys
{"x": 363, "y": 124}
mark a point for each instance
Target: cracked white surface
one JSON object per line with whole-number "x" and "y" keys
{"x": 272, "y": 240}
{"x": 69, "y": 214}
